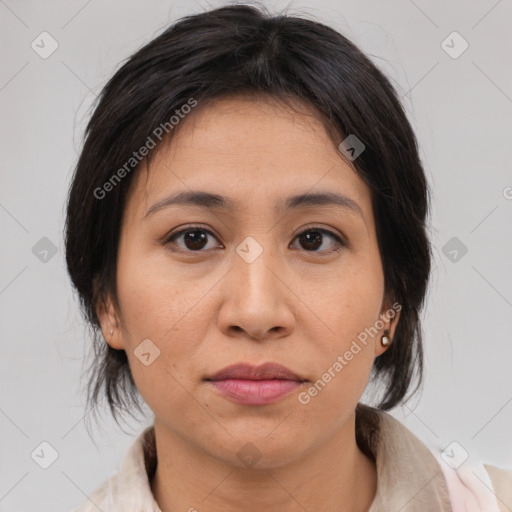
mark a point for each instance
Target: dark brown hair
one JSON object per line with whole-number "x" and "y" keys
{"x": 222, "y": 52}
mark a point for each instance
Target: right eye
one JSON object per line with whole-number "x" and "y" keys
{"x": 195, "y": 238}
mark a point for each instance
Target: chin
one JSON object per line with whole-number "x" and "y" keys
{"x": 257, "y": 448}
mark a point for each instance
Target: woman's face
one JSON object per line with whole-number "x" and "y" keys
{"x": 212, "y": 297}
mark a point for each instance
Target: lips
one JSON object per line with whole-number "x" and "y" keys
{"x": 267, "y": 371}
{"x": 255, "y": 385}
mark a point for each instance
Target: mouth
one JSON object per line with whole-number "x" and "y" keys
{"x": 256, "y": 385}
{"x": 267, "y": 371}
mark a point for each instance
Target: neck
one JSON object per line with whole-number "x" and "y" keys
{"x": 335, "y": 477}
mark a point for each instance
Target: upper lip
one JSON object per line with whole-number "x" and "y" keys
{"x": 261, "y": 372}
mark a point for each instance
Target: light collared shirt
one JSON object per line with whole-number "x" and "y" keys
{"x": 411, "y": 477}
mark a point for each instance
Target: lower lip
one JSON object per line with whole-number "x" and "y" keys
{"x": 256, "y": 392}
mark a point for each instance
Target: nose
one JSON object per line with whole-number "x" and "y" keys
{"x": 256, "y": 299}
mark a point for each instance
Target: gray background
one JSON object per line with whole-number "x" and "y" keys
{"x": 461, "y": 111}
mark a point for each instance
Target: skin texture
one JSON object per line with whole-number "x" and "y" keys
{"x": 296, "y": 305}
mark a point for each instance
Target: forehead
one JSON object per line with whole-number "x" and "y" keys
{"x": 250, "y": 148}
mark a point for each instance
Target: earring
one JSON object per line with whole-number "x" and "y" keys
{"x": 385, "y": 340}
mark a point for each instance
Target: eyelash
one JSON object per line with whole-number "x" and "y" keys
{"x": 340, "y": 243}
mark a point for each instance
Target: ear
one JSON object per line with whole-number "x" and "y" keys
{"x": 389, "y": 316}
{"x": 108, "y": 318}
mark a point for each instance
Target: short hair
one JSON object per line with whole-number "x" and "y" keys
{"x": 245, "y": 49}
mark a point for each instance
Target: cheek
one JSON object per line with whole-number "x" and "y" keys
{"x": 157, "y": 305}
{"x": 156, "y": 297}
{"x": 344, "y": 344}
{"x": 350, "y": 303}
{"x": 343, "y": 361}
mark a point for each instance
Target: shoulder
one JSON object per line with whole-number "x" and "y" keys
{"x": 501, "y": 480}
{"x": 475, "y": 486}
{"x": 128, "y": 488}
{"x": 418, "y": 474}
{"x": 408, "y": 476}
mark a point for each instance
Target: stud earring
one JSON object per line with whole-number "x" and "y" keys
{"x": 385, "y": 340}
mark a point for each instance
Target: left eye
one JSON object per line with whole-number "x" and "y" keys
{"x": 196, "y": 238}
{"x": 312, "y": 238}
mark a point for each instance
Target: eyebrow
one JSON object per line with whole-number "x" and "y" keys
{"x": 216, "y": 202}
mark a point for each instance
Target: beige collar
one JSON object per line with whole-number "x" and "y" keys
{"x": 409, "y": 479}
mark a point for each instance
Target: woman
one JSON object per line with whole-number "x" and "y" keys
{"x": 246, "y": 230}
